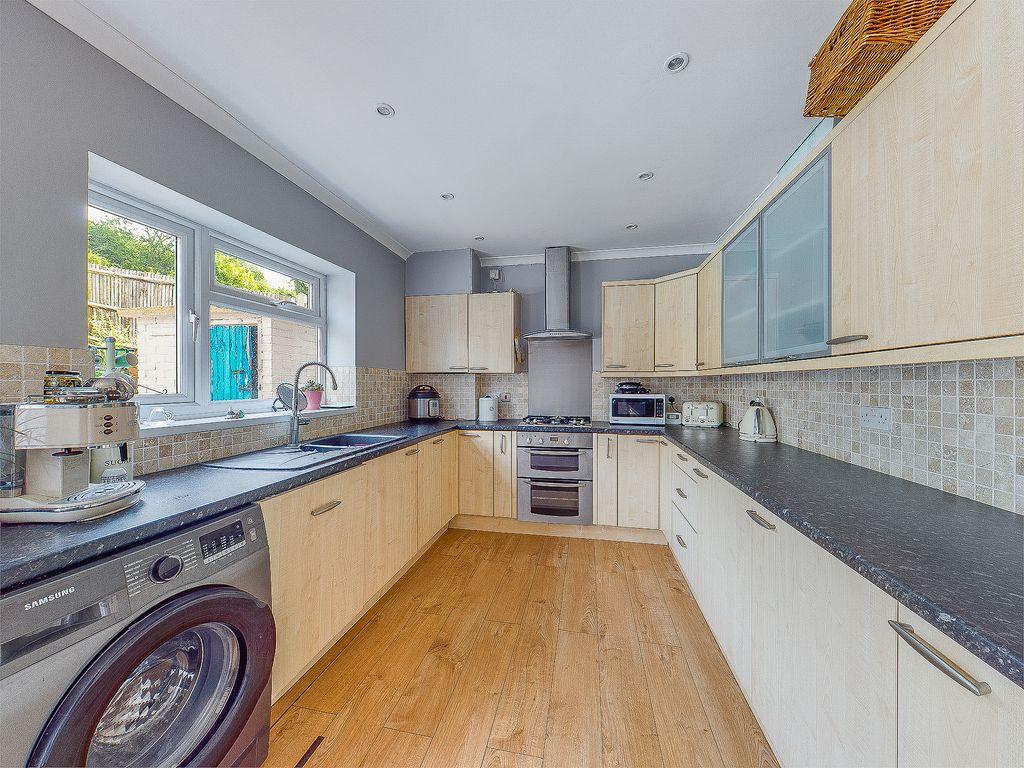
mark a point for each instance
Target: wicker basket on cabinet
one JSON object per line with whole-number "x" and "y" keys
{"x": 869, "y": 39}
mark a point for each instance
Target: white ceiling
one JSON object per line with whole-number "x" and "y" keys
{"x": 537, "y": 115}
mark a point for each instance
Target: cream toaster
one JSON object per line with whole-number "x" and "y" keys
{"x": 703, "y": 414}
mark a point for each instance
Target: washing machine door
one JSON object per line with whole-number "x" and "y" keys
{"x": 176, "y": 688}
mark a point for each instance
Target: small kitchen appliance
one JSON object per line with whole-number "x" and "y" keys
{"x": 424, "y": 403}
{"x": 631, "y": 388}
{"x": 555, "y": 477}
{"x": 487, "y": 411}
{"x": 70, "y": 461}
{"x": 757, "y": 424}
{"x": 702, "y": 414}
{"x": 645, "y": 409}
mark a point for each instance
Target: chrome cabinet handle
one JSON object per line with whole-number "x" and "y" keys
{"x": 325, "y": 508}
{"x": 662, "y": 442}
{"x": 608, "y": 453}
{"x": 701, "y": 365}
{"x": 680, "y": 494}
{"x": 614, "y": 365}
{"x": 664, "y": 365}
{"x": 413, "y": 452}
{"x": 502, "y": 445}
{"x": 939, "y": 660}
{"x": 700, "y": 474}
{"x": 847, "y": 339}
{"x": 680, "y": 540}
{"x": 760, "y": 520}
{"x": 681, "y": 457}
{"x": 467, "y": 434}
{"x": 479, "y": 368}
{"x": 437, "y": 442}
{"x": 458, "y": 367}
{"x": 556, "y": 486}
{"x": 645, "y": 440}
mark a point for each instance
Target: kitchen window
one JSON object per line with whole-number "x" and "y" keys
{"x": 203, "y": 321}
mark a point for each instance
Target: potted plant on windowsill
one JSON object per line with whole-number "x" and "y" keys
{"x": 314, "y": 394}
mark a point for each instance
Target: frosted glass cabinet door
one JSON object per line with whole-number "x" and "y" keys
{"x": 795, "y": 265}
{"x": 739, "y": 298}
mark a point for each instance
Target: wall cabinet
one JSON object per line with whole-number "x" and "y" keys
{"x": 639, "y": 486}
{"x": 927, "y": 194}
{"x": 675, "y": 324}
{"x": 460, "y": 332}
{"x": 627, "y": 328}
{"x": 709, "y": 314}
{"x": 476, "y": 472}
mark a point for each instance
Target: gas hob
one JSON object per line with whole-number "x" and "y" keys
{"x": 556, "y": 421}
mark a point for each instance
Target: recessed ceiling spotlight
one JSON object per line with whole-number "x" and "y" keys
{"x": 631, "y": 227}
{"x": 677, "y": 63}
{"x": 447, "y": 196}
{"x": 646, "y": 176}
{"x": 479, "y": 237}
{"x": 385, "y": 110}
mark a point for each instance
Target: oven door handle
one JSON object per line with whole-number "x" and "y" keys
{"x": 556, "y": 486}
{"x": 561, "y": 452}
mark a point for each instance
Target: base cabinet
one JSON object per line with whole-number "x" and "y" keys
{"x": 449, "y": 476}
{"x": 941, "y": 723}
{"x": 639, "y": 485}
{"x": 503, "y": 475}
{"x": 476, "y": 472}
{"x": 606, "y": 479}
{"x": 429, "y": 485}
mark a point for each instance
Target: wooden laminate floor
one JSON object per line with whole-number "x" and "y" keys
{"x": 511, "y": 651}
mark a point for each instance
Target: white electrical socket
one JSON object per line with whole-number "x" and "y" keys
{"x": 506, "y": 397}
{"x": 876, "y": 418}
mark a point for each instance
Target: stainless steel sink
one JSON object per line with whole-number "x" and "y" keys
{"x": 349, "y": 442}
{"x": 283, "y": 459}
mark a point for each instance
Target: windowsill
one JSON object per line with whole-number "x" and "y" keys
{"x": 184, "y": 426}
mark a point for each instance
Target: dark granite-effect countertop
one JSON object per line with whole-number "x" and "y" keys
{"x": 957, "y": 563}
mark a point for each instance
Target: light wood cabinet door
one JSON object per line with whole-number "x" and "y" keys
{"x": 606, "y": 479}
{"x": 709, "y": 314}
{"x": 675, "y": 324}
{"x": 503, "y": 475}
{"x": 928, "y": 184}
{"x": 449, "y": 476}
{"x": 493, "y": 324}
{"x": 391, "y": 514}
{"x": 476, "y": 476}
{"x": 344, "y": 587}
{"x": 627, "y": 328}
{"x": 437, "y": 333}
{"x": 639, "y": 481}
{"x": 942, "y": 724}
{"x": 430, "y": 483}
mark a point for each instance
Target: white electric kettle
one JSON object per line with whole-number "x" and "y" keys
{"x": 757, "y": 424}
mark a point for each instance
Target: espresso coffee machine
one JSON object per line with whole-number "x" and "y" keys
{"x": 63, "y": 462}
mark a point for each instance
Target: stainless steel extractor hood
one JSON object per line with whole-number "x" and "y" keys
{"x": 556, "y": 298}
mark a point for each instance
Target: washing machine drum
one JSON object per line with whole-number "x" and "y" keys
{"x": 175, "y": 688}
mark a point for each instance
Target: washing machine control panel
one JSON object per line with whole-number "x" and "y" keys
{"x": 222, "y": 542}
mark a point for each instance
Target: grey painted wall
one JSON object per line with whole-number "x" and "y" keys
{"x": 60, "y": 98}
{"x": 428, "y": 273}
{"x": 585, "y": 288}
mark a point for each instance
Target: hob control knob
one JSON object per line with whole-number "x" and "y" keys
{"x": 166, "y": 568}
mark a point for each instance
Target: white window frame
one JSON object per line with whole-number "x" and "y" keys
{"x": 197, "y": 290}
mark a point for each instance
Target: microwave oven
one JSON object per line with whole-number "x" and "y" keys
{"x": 636, "y": 409}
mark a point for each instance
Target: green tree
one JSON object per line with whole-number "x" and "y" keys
{"x": 112, "y": 243}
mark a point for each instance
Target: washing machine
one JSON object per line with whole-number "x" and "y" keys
{"x": 155, "y": 656}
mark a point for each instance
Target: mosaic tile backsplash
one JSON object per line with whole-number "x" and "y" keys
{"x": 956, "y": 426}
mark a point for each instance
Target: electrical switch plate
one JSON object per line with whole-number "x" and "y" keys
{"x": 506, "y": 397}
{"x": 876, "y": 418}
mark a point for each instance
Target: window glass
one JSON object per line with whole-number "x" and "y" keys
{"x": 251, "y": 353}
{"x": 132, "y": 270}
{"x": 242, "y": 275}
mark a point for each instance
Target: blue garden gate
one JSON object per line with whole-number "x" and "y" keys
{"x": 233, "y": 366}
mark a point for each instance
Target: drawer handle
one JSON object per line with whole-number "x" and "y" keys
{"x": 680, "y": 540}
{"x": 760, "y": 520}
{"x": 847, "y": 339}
{"x": 939, "y": 660}
{"x": 681, "y": 457}
{"x": 479, "y": 368}
{"x": 458, "y": 368}
{"x": 614, "y": 365}
{"x": 664, "y": 365}
{"x": 700, "y": 474}
{"x": 467, "y": 434}
{"x": 325, "y": 508}
{"x": 413, "y": 452}
{"x": 437, "y": 442}
{"x": 680, "y": 494}
{"x": 646, "y": 440}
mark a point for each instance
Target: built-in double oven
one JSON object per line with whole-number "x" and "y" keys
{"x": 555, "y": 477}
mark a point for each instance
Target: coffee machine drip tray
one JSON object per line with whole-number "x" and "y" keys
{"x": 98, "y": 500}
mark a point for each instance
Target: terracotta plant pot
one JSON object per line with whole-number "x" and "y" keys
{"x": 314, "y": 397}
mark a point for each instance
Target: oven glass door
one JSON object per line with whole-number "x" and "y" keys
{"x": 561, "y": 463}
{"x": 555, "y": 501}
{"x": 634, "y": 408}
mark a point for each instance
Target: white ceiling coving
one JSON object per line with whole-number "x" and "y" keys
{"x": 537, "y": 116}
